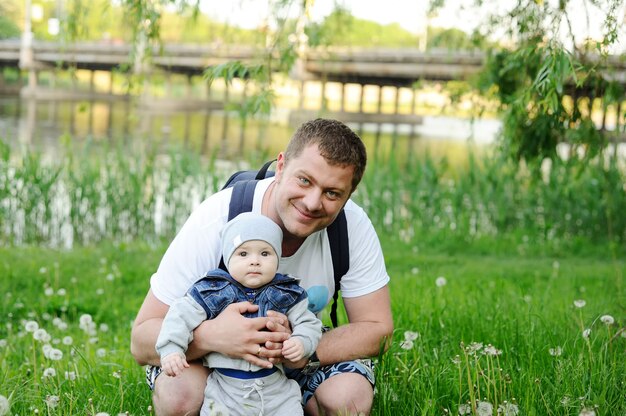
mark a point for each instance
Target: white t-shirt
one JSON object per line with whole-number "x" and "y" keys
{"x": 196, "y": 249}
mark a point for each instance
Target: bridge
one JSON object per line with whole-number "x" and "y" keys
{"x": 393, "y": 67}
{"x": 396, "y": 68}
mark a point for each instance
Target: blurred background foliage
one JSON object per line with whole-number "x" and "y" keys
{"x": 550, "y": 81}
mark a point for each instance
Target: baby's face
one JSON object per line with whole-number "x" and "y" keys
{"x": 253, "y": 263}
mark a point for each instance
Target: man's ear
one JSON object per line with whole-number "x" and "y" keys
{"x": 280, "y": 166}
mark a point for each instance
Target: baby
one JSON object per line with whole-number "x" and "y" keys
{"x": 251, "y": 249}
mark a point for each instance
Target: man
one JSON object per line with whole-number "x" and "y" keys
{"x": 321, "y": 167}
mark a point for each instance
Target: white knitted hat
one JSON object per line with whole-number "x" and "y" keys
{"x": 246, "y": 227}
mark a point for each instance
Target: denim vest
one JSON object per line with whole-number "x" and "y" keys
{"x": 218, "y": 289}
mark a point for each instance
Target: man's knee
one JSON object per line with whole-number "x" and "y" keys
{"x": 342, "y": 394}
{"x": 182, "y": 395}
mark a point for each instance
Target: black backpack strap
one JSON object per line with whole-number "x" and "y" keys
{"x": 242, "y": 198}
{"x": 240, "y": 201}
{"x": 262, "y": 173}
{"x": 340, "y": 251}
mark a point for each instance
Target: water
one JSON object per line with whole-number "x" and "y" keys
{"x": 45, "y": 125}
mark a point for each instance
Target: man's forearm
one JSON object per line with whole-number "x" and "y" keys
{"x": 353, "y": 341}
{"x": 143, "y": 341}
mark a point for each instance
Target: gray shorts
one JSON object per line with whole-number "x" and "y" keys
{"x": 308, "y": 383}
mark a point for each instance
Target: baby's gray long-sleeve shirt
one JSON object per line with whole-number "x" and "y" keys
{"x": 185, "y": 314}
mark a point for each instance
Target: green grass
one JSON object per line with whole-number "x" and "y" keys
{"x": 521, "y": 304}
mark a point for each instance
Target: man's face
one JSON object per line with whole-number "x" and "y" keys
{"x": 253, "y": 264}
{"x": 309, "y": 192}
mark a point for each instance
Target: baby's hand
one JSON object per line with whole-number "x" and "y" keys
{"x": 293, "y": 350}
{"x": 173, "y": 364}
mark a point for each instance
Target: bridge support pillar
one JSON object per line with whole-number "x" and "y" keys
{"x": 27, "y": 61}
{"x": 301, "y": 98}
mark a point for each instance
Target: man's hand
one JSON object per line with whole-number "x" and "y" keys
{"x": 293, "y": 350}
{"x": 278, "y": 323}
{"x": 236, "y": 336}
{"x": 174, "y": 364}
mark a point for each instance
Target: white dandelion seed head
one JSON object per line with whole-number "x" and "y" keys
{"x": 31, "y": 326}
{"x": 67, "y": 340}
{"x": 52, "y": 401}
{"x": 474, "y": 347}
{"x": 46, "y": 350}
{"x": 4, "y": 405}
{"x": 406, "y": 344}
{"x": 587, "y": 412}
{"x": 415, "y": 270}
{"x": 484, "y": 409}
{"x": 508, "y": 409}
{"x": 607, "y": 319}
{"x": 465, "y": 409}
{"x": 411, "y": 335}
{"x": 555, "y": 352}
{"x": 3, "y": 343}
{"x": 43, "y": 270}
{"x": 110, "y": 277}
{"x": 492, "y": 351}
{"x": 101, "y": 352}
{"x": 48, "y": 291}
{"x": 117, "y": 374}
{"x": 70, "y": 375}
{"x": 99, "y": 291}
{"x": 61, "y": 292}
{"x": 40, "y": 334}
{"x": 49, "y": 372}
{"x": 55, "y": 354}
{"x": 93, "y": 340}
{"x": 441, "y": 281}
{"x": 85, "y": 319}
{"x": 586, "y": 333}
{"x": 580, "y": 303}
{"x": 87, "y": 324}
{"x": 102, "y": 414}
{"x": 104, "y": 328}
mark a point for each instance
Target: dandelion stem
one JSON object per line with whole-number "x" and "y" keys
{"x": 121, "y": 395}
{"x": 469, "y": 382}
{"x": 460, "y": 383}
{"x": 489, "y": 379}
{"x": 543, "y": 399}
{"x": 502, "y": 384}
{"x": 478, "y": 371}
